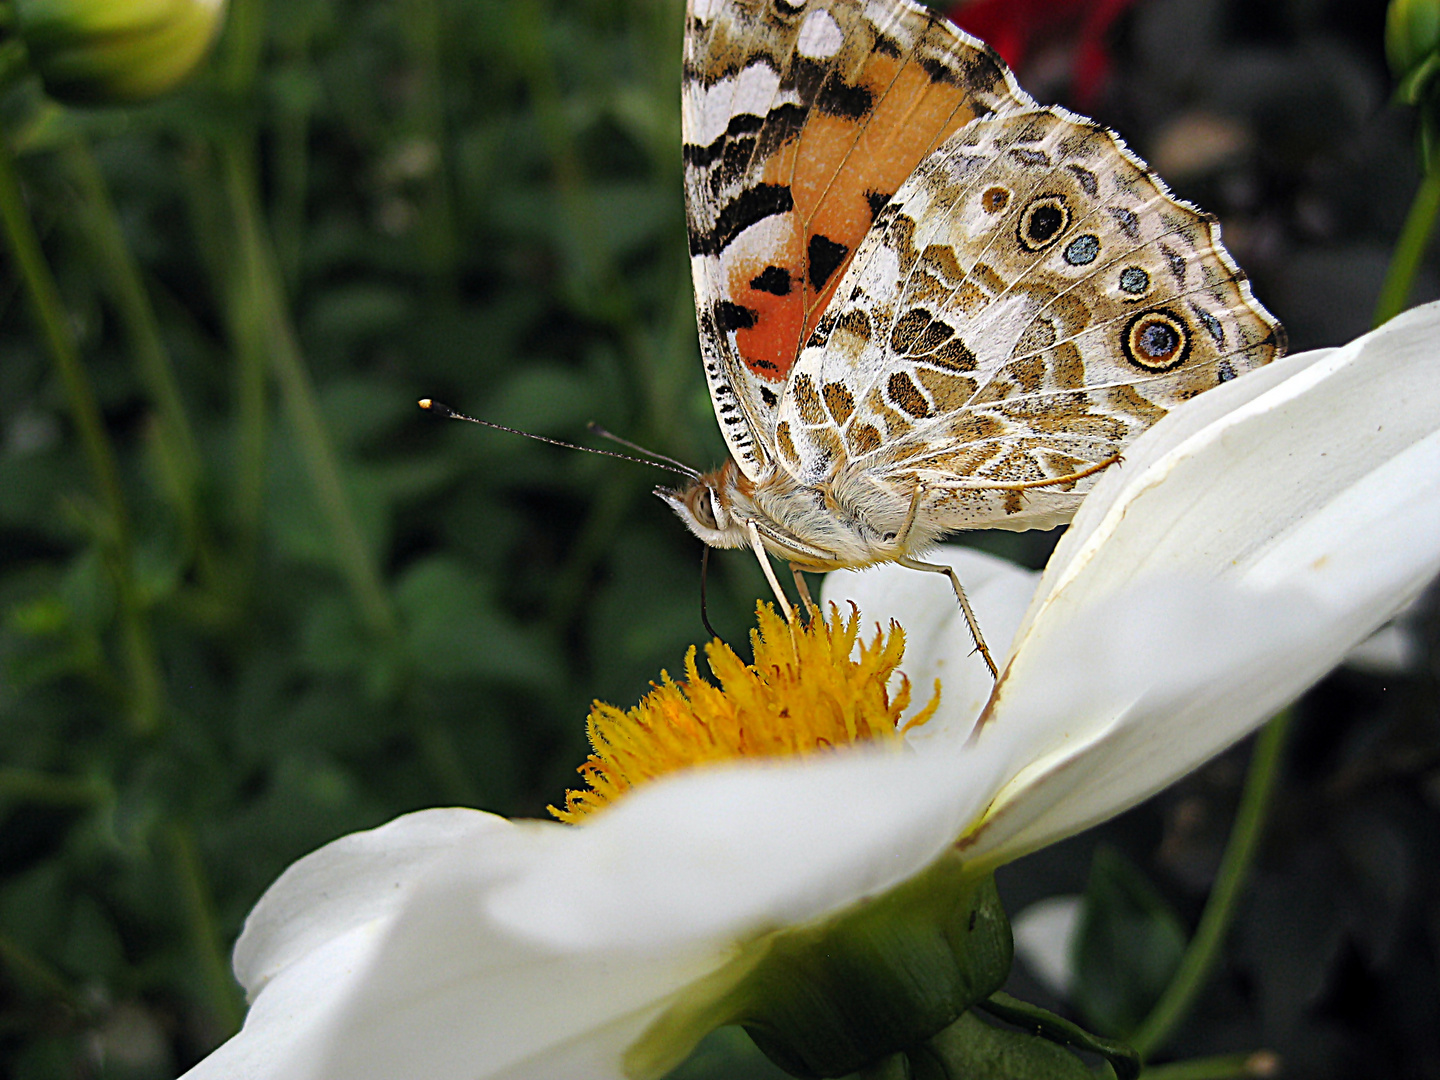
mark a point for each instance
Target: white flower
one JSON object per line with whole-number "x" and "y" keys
{"x": 1244, "y": 545}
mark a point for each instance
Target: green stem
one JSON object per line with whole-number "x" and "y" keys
{"x": 1204, "y": 948}
{"x": 1260, "y": 1064}
{"x": 43, "y": 789}
{"x": 49, "y": 312}
{"x": 292, "y": 162}
{"x": 423, "y": 24}
{"x": 99, "y": 226}
{"x": 262, "y": 329}
{"x": 142, "y": 666}
{"x": 35, "y": 974}
{"x": 1409, "y": 250}
{"x": 269, "y": 314}
{"x": 200, "y": 924}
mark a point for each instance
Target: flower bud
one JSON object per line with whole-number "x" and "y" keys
{"x": 1412, "y": 44}
{"x": 1412, "y": 35}
{"x": 115, "y": 51}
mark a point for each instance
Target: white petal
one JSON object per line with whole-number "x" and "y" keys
{"x": 1223, "y": 572}
{"x": 315, "y": 932}
{"x": 1391, "y": 650}
{"x": 1045, "y": 940}
{"x": 725, "y": 853}
{"x": 536, "y": 950}
{"x": 352, "y": 881}
{"x": 937, "y": 641}
{"x": 455, "y": 995}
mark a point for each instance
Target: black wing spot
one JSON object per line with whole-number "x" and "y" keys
{"x": 1126, "y": 220}
{"x": 1042, "y": 222}
{"x": 877, "y": 201}
{"x": 774, "y": 280}
{"x": 1088, "y": 182}
{"x": 1176, "y": 263}
{"x": 1211, "y": 324}
{"x": 701, "y": 156}
{"x": 843, "y": 100}
{"x": 750, "y": 206}
{"x": 939, "y": 73}
{"x": 1157, "y": 340}
{"x": 1031, "y": 158}
{"x": 825, "y": 256}
{"x": 731, "y": 316}
{"x": 768, "y": 396}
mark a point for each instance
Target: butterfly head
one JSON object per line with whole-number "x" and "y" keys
{"x": 707, "y": 506}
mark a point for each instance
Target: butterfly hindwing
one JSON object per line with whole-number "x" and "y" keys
{"x": 800, "y": 122}
{"x": 1030, "y": 300}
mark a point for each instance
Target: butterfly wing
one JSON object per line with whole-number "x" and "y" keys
{"x": 1030, "y": 300}
{"x": 800, "y": 122}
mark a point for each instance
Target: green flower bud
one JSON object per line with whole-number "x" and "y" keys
{"x": 1412, "y": 43}
{"x": 1412, "y": 36}
{"x": 114, "y": 51}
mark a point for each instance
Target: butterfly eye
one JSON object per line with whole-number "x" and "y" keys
{"x": 1042, "y": 222}
{"x": 700, "y": 500}
{"x": 995, "y": 199}
{"x": 1156, "y": 340}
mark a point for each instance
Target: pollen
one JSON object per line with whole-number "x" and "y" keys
{"x": 813, "y": 687}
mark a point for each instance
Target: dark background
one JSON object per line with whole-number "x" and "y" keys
{"x": 479, "y": 201}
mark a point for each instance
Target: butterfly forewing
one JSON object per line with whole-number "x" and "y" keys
{"x": 800, "y": 122}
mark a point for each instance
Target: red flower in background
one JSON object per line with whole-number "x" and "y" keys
{"x": 1014, "y": 27}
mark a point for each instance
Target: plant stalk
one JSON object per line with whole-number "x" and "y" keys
{"x": 175, "y": 442}
{"x": 1409, "y": 250}
{"x": 144, "y": 684}
{"x": 199, "y": 914}
{"x": 1204, "y": 948}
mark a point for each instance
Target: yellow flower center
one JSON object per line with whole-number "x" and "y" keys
{"x": 812, "y": 687}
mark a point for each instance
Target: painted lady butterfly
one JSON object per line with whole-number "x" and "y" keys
{"x": 926, "y": 303}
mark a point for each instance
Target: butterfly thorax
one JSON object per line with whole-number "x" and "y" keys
{"x": 848, "y": 521}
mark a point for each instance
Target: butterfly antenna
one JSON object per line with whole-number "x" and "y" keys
{"x": 596, "y": 429}
{"x": 704, "y": 578}
{"x": 448, "y": 413}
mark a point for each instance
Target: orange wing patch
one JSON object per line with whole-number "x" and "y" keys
{"x": 801, "y": 120}
{"x": 913, "y": 110}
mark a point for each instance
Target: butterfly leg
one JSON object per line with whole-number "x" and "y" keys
{"x": 902, "y": 538}
{"x": 807, "y": 602}
{"x": 758, "y": 546}
{"x": 970, "y": 620}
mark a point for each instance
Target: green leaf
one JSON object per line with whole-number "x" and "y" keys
{"x": 1129, "y": 944}
{"x": 454, "y": 630}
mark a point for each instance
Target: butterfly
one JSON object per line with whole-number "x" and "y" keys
{"x": 926, "y": 303}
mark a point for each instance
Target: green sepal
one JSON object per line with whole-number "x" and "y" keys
{"x": 887, "y": 975}
{"x": 894, "y": 1067}
{"x": 1417, "y": 83}
{"x": 1056, "y": 1029}
{"x": 970, "y": 1049}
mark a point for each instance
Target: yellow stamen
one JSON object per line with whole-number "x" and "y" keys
{"x": 809, "y": 689}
